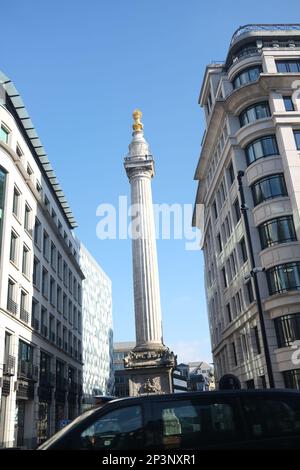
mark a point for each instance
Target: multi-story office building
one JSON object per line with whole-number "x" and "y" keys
{"x": 248, "y": 195}
{"x": 121, "y": 349}
{"x": 40, "y": 286}
{"x": 97, "y": 329}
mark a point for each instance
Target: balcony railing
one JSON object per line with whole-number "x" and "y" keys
{"x": 12, "y": 307}
{"x": 9, "y": 365}
{"x": 35, "y": 324}
{"x": 28, "y": 370}
{"x": 24, "y": 315}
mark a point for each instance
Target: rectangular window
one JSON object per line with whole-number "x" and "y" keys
{"x": 11, "y": 293}
{"x": 45, "y": 283}
{"x": 231, "y": 174}
{"x": 245, "y": 347}
{"x": 13, "y": 247}
{"x": 25, "y": 260}
{"x": 47, "y": 203}
{"x": 243, "y": 250}
{"x": 235, "y": 361}
{"x": 288, "y": 103}
{"x": 257, "y": 341}
{"x": 65, "y": 273}
{"x": 52, "y": 291}
{"x": 297, "y": 139}
{"x": 224, "y": 277}
{"x": 36, "y": 273}
{"x": 27, "y": 219}
{"x": 229, "y": 316}
{"x": 59, "y": 264}
{"x": 53, "y": 256}
{"x": 4, "y": 134}
{"x": 215, "y": 209}
{"x": 37, "y": 232}
{"x": 59, "y": 299}
{"x": 24, "y": 315}
{"x": 250, "y": 292}
{"x": 38, "y": 186}
{"x": 288, "y": 66}
{"x": 237, "y": 210}
{"x": 29, "y": 170}
{"x": 19, "y": 151}
{"x": 35, "y": 315}
{"x": 16, "y": 201}
{"x": 46, "y": 245}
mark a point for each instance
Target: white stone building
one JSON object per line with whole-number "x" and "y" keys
{"x": 97, "y": 331}
{"x": 40, "y": 286}
{"x": 252, "y": 110}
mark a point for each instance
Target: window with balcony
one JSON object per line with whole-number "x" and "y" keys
{"x": 24, "y": 314}
{"x": 261, "y": 148}
{"x": 248, "y": 75}
{"x": 275, "y": 231}
{"x": 268, "y": 187}
{"x": 254, "y": 112}
{"x": 287, "y": 329}
{"x": 35, "y": 315}
{"x": 297, "y": 139}
{"x": 12, "y": 307}
{"x": 284, "y": 277}
{"x": 288, "y": 66}
{"x": 288, "y": 103}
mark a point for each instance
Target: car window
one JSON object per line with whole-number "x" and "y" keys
{"x": 272, "y": 417}
{"x": 117, "y": 429}
{"x": 188, "y": 424}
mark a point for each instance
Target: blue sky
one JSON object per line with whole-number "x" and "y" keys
{"x": 81, "y": 68}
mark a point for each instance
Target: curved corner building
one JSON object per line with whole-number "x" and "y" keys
{"x": 249, "y": 200}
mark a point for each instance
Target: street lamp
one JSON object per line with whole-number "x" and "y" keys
{"x": 253, "y": 274}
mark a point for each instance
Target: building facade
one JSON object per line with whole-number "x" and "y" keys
{"x": 248, "y": 205}
{"x": 40, "y": 287}
{"x": 97, "y": 329}
{"x": 199, "y": 375}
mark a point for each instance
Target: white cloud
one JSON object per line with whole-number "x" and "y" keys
{"x": 192, "y": 351}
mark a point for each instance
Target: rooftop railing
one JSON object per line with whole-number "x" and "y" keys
{"x": 248, "y": 28}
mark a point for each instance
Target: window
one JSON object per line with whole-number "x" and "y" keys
{"x": 52, "y": 290}
{"x": 13, "y": 247}
{"x": 250, "y": 292}
{"x": 237, "y": 210}
{"x": 248, "y": 75}
{"x": 2, "y": 199}
{"x": 65, "y": 273}
{"x": 44, "y": 322}
{"x": 257, "y": 347}
{"x": 65, "y": 311}
{"x": 297, "y": 139}
{"x": 70, "y": 312}
{"x": 47, "y": 203}
{"x": 238, "y": 298}
{"x": 53, "y": 256}
{"x": 59, "y": 264}
{"x": 288, "y": 103}
{"x": 36, "y": 273}
{"x": 269, "y": 417}
{"x": 224, "y": 277}
{"x": 292, "y": 378}
{"x": 121, "y": 429}
{"x": 38, "y": 186}
{"x": 231, "y": 174}
{"x": 254, "y": 112}
{"x": 220, "y": 247}
{"x": 25, "y": 260}
{"x": 59, "y": 298}
{"x": 191, "y": 424}
{"x": 45, "y": 282}
{"x": 16, "y": 201}
{"x": 19, "y": 151}
{"x": 261, "y": 148}
{"x": 235, "y": 361}
{"x": 243, "y": 250}
{"x": 245, "y": 347}
{"x": 11, "y": 292}
{"x": 46, "y": 245}
{"x": 268, "y": 188}
{"x": 229, "y": 316}
{"x": 215, "y": 209}
{"x": 27, "y": 221}
{"x": 288, "y": 66}
{"x": 35, "y": 314}
{"x": 25, "y": 352}
{"x": 275, "y": 231}
{"x": 284, "y": 278}
{"x": 37, "y": 232}
{"x": 287, "y": 329}
{"x": 24, "y": 315}
{"x": 232, "y": 259}
{"x": 4, "y": 134}
{"x": 29, "y": 170}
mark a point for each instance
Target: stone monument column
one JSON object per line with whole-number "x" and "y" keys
{"x": 150, "y": 364}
